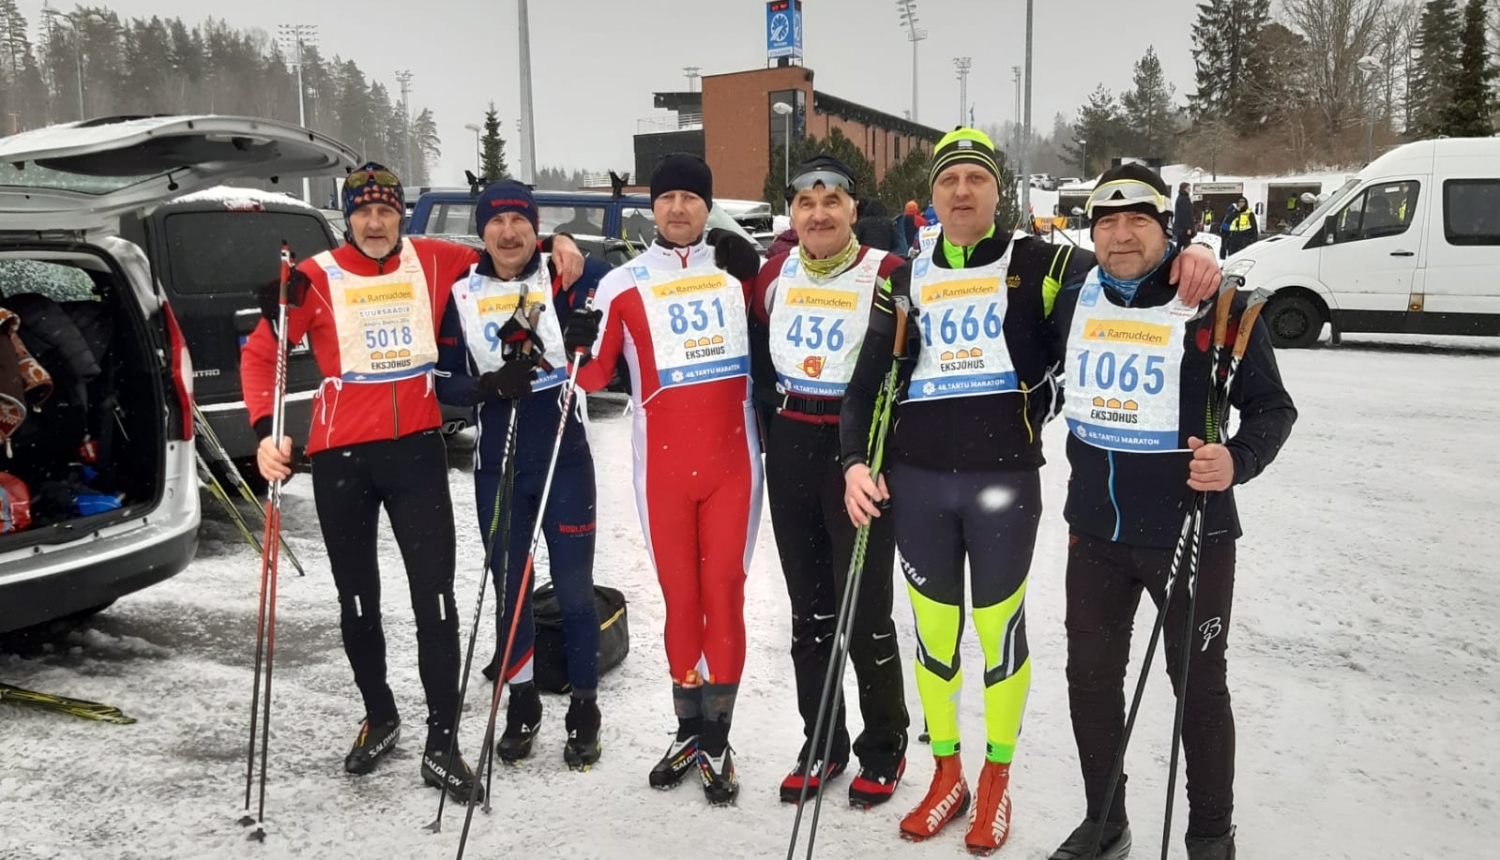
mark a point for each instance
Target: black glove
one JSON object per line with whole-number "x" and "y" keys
{"x": 269, "y": 296}
{"x": 511, "y": 382}
{"x": 735, "y": 255}
{"x": 580, "y": 333}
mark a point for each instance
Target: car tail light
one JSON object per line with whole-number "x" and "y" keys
{"x": 182, "y": 376}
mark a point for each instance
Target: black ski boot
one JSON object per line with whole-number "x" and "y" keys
{"x": 1214, "y": 848}
{"x": 1114, "y": 846}
{"x": 522, "y": 716}
{"x": 716, "y": 764}
{"x": 374, "y": 741}
{"x": 449, "y": 772}
{"x": 681, "y": 756}
{"x": 791, "y": 786}
{"x": 582, "y": 721}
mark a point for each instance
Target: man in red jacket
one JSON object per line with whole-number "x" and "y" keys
{"x": 369, "y": 309}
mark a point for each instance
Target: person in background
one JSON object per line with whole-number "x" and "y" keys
{"x": 1183, "y": 226}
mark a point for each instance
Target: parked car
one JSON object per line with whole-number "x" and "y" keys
{"x": 120, "y": 511}
{"x": 211, "y": 251}
{"x": 1410, "y": 244}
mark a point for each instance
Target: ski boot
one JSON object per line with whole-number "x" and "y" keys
{"x": 989, "y": 821}
{"x": 1211, "y": 848}
{"x": 374, "y": 741}
{"x": 874, "y": 785}
{"x": 523, "y": 714}
{"x": 582, "y": 748}
{"x": 947, "y": 798}
{"x": 681, "y": 756}
{"x": 791, "y": 786}
{"x": 719, "y": 783}
{"x": 1114, "y": 845}
{"x": 450, "y": 773}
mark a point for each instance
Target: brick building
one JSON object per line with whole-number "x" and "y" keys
{"x": 733, "y": 124}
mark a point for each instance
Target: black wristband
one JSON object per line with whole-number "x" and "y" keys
{"x": 262, "y": 427}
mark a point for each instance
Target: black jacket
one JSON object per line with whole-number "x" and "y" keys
{"x": 874, "y": 228}
{"x": 1183, "y": 224}
{"x": 1141, "y": 499}
{"x": 992, "y": 432}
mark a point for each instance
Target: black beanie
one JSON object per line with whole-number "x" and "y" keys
{"x": 683, "y": 172}
{"x": 1135, "y": 172}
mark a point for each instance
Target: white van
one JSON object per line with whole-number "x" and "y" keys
{"x": 1411, "y": 244}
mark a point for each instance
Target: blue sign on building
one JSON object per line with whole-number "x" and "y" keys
{"x": 784, "y": 29}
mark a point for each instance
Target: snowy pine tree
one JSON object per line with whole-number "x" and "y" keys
{"x": 492, "y": 147}
{"x": 1147, "y": 109}
{"x": 1436, "y": 72}
{"x": 1097, "y": 133}
{"x": 1225, "y": 39}
{"x": 1471, "y": 103}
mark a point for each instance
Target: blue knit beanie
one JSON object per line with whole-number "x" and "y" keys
{"x": 504, "y": 196}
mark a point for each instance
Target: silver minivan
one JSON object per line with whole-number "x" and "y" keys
{"x": 120, "y": 512}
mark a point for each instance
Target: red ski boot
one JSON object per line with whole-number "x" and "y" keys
{"x": 946, "y": 799}
{"x": 990, "y": 822}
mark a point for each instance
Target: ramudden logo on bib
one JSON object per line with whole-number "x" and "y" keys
{"x": 954, "y": 290}
{"x": 833, "y": 300}
{"x": 1126, "y": 331}
{"x": 688, "y": 286}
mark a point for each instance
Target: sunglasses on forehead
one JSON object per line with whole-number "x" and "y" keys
{"x": 360, "y": 178}
{"x": 826, "y": 178}
{"x": 1125, "y": 192}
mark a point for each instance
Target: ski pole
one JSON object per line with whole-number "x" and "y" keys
{"x": 833, "y": 678}
{"x": 1191, "y": 523}
{"x": 499, "y": 523}
{"x": 216, "y": 448}
{"x": 216, "y": 491}
{"x": 1218, "y": 427}
{"x": 265, "y": 627}
{"x": 566, "y": 405}
{"x": 503, "y": 490}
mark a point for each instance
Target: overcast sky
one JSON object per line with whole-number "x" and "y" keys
{"x": 595, "y": 63}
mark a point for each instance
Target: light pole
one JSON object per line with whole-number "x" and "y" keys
{"x": 296, "y": 37}
{"x": 528, "y": 136}
{"x": 907, "y": 11}
{"x": 70, "y": 20}
{"x": 786, "y": 150}
{"x": 1026, "y": 126}
{"x": 963, "y": 64}
{"x": 478, "y": 152}
{"x": 1369, "y": 65}
{"x": 1015, "y": 72}
{"x": 404, "y": 78}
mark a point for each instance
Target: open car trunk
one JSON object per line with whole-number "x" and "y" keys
{"x": 92, "y": 454}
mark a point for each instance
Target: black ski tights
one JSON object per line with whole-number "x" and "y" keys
{"x": 409, "y": 477}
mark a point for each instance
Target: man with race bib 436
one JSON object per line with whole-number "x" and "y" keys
{"x": 813, "y": 306}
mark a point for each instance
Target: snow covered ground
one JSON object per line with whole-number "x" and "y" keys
{"x": 1365, "y": 666}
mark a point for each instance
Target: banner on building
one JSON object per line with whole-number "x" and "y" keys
{"x": 784, "y": 29}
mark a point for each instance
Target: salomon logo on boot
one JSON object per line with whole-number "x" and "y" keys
{"x": 681, "y": 757}
{"x": 450, "y": 773}
{"x": 374, "y": 741}
{"x": 719, "y": 784}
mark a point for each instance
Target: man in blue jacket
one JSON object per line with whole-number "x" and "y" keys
{"x": 481, "y": 363}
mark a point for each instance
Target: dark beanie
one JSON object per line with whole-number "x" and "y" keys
{"x": 1132, "y": 172}
{"x": 964, "y": 146}
{"x": 505, "y": 196}
{"x": 683, "y": 172}
{"x": 372, "y": 192}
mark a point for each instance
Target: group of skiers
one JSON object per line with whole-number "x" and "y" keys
{"x": 744, "y": 372}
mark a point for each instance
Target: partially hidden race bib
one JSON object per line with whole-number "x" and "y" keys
{"x": 698, "y": 327}
{"x": 927, "y": 238}
{"x": 486, "y": 304}
{"x": 817, "y": 327}
{"x": 1124, "y": 373}
{"x": 384, "y": 322}
{"x": 963, "y": 331}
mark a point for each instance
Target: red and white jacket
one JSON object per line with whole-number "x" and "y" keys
{"x": 345, "y": 412}
{"x": 626, "y": 330}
